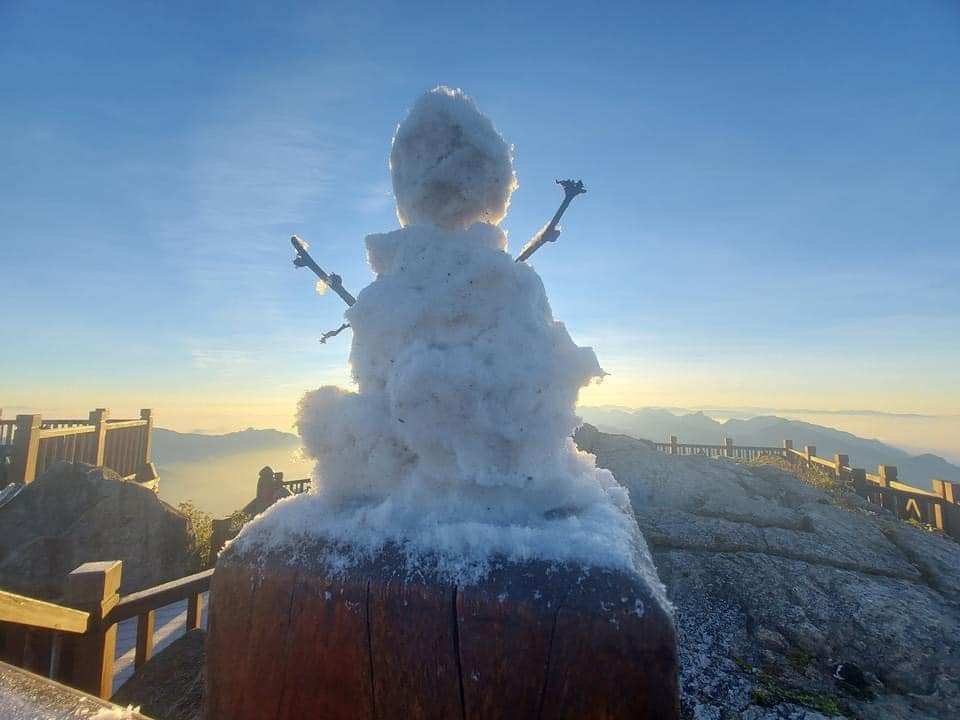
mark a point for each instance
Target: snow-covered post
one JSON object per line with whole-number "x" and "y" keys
{"x": 457, "y": 556}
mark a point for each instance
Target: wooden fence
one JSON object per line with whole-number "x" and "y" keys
{"x": 939, "y": 508}
{"x": 32, "y": 444}
{"x": 75, "y": 643}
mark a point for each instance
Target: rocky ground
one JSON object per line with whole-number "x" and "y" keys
{"x": 775, "y": 582}
{"x": 77, "y": 513}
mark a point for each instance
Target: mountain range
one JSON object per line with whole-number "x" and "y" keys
{"x": 658, "y": 425}
{"x": 171, "y": 447}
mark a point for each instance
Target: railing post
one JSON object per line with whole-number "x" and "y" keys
{"x": 194, "y": 611}
{"x": 949, "y": 491}
{"x": 842, "y": 462}
{"x": 728, "y": 447}
{"x": 673, "y": 444}
{"x": 26, "y": 442}
{"x": 144, "y": 649}
{"x": 887, "y": 473}
{"x": 947, "y": 511}
{"x": 99, "y": 418}
{"x": 147, "y": 470}
{"x": 810, "y": 451}
{"x": 87, "y": 660}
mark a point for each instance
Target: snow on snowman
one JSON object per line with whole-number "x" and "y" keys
{"x": 456, "y": 445}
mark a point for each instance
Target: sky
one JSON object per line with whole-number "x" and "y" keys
{"x": 771, "y": 219}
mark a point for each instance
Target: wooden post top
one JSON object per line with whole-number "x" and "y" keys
{"x": 949, "y": 491}
{"x": 99, "y": 415}
{"x": 841, "y": 460}
{"x": 810, "y": 450}
{"x": 93, "y": 583}
{"x": 888, "y": 473}
{"x": 788, "y": 444}
{"x": 146, "y": 414}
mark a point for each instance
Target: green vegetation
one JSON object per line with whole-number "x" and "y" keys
{"x": 202, "y": 530}
{"x": 770, "y": 690}
{"x": 798, "y": 660}
{"x": 811, "y": 475}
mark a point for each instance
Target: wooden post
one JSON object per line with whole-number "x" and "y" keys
{"x": 810, "y": 451}
{"x": 26, "y": 441}
{"x": 194, "y": 611}
{"x": 841, "y": 462}
{"x": 99, "y": 418}
{"x": 144, "y": 638}
{"x": 87, "y": 660}
{"x": 947, "y": 511}
{"x": 673, "y": 444}
{"x": 859, "y": 477}
{"x": 949, "y": 491}
{"x": 887, "y": 473}
{"x": 787, "y": 447}
{"x": 728, "y": 447}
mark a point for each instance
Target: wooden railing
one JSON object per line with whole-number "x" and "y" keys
{"x": 727, "y": 449}
{"x": 75, "y": 643}
{"x": 297, "y": 486}
{"x": 939, "y": 508}
{"x": 33, "y": 444}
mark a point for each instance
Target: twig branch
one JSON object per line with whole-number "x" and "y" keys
{"x": 333, "y": 333}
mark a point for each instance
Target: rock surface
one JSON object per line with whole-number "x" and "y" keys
{"x": 77, "y": 513}
{"x": 775, "y": 582}
{"x": 170, "y": 685}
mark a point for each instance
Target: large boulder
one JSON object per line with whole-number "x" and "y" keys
{"x": 776, "y": 582}
{"x": 76, "y": 513}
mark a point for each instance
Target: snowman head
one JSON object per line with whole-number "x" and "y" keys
{"x": 450, "y": 167}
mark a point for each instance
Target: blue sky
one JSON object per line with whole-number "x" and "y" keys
{"x": 772, "y": 217}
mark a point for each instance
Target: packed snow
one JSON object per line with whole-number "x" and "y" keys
{"x": 456, "y": 444}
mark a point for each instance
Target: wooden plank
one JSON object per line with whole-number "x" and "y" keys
{"x": 381, "y": 640}
{"x": 37, "y": 613}
{"x": 58, "y": 432}
{"x": 910, "y": 490}
{"x": 156, "y": 597}
{"x": 413, "y": 647}
{"x": 509, "y": 616}
{"x": 328, "y": 619}
{"x": 122, "y": 424}
{"x": 613, "y": 653}
{"x": 144, "y": 648}
{"x": 250, "y": 668}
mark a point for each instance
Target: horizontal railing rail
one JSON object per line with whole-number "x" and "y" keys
{"x": 23, "y": 610}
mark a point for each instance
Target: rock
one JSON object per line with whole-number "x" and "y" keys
{"x": 27, "y": 696}
{"x": 383, "y": 639}
{"x": 76, "y": 513}
{"x": 169, "y": 686}
{"x": 776, "y": 582}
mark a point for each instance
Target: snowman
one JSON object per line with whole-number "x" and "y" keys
{"x": 456, "y": 444}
